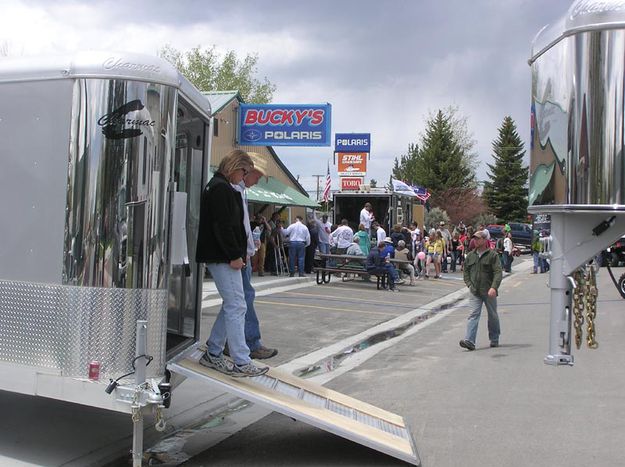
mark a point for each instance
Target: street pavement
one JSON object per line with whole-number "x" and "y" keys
{"x": 490, "y": 407}
{"x": 399, "y": 351}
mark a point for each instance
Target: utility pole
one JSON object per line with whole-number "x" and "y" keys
{"x": 318, "y": 177}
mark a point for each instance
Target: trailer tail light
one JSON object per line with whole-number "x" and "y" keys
{"x": 94, "y": 371}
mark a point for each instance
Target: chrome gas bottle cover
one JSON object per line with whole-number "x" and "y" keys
{"x": 578, "y": 113}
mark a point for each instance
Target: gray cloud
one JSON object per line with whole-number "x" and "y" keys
{"x": 382, "y": 64}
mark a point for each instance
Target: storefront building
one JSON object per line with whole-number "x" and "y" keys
{"x": 281, "y": 191}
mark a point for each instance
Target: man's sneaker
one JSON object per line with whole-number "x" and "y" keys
{"x": 400, "y": 281}
{"x": 263, "y": 353}
{"x": 217, "y": 363}
{"x": 249, "y": 369}
{"x": 494, "y": 344}
{"x": 467, "y": 344}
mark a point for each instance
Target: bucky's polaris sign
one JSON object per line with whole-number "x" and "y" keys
{"x": 285, "y": 125}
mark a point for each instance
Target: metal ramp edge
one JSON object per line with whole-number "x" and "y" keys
{"x": 313, "y": 404}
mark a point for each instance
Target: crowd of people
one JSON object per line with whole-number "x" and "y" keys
{"x": 426, "y": 252}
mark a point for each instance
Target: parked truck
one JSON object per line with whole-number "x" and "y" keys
{"x": 389, "y": 207}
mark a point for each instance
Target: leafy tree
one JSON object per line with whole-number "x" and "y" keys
{"x": 506, "y": 191}
{"x": 462, "y": 204}
{"x": 444, "y": 159}
{"x": 434, "y": 216}
{"x": 208, "y": 71}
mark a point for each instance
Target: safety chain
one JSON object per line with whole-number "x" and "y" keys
{"x": 158, "y": 416}
{"x": 578, "y": 306}
{"x": 136, "y": 413}
{"x": 135, "y": 407}
{"x": 585, "y": 297}
{"x": 591, "y": 307}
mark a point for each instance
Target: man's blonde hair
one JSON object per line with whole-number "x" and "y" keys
{"x": 235, "y": 160}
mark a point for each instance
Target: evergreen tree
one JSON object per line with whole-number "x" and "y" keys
{"x": 506, "y": 191}
{"x": 442, "y": 163}
{"x": 404, "y": 168}
{"x": 208, "y": 72}
{"x": 444, "y": 159}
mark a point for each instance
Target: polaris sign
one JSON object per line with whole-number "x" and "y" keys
{"x": 352, "y": 142}
{"x": 285, "y": 125}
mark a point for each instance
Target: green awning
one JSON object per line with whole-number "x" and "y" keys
{"x": 273, "y": 191}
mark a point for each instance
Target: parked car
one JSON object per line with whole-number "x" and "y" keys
{"x": 521, "y": 233}
{"x": 495, "y": 230}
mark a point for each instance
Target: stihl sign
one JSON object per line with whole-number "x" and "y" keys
{"x": 352, "y": 163}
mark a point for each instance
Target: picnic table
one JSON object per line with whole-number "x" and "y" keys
{"x": 348, "y": 266}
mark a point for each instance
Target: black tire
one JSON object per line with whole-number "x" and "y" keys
{"x": 621, "y": 286}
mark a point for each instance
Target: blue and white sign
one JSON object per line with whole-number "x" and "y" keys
{"x": 285, "y": 125}
{"x": 352, "y": 142}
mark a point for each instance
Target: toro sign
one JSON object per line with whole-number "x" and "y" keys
{"x": 284, "y": 125}
{"x": 351, "y": 183}
{"x": 352, "y": 142}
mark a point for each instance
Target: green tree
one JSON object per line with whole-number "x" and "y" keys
{"x": 404, "y": 169}
{"x": 445, "y": 157}
{"x": 433, "y": 217}
{"x": 208, "y": 71}
{"x": 506, "y": 190}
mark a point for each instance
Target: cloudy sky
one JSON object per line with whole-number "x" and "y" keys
{"x": 384, "y": 65}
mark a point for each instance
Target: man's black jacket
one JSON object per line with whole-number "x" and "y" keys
{"x": 221, "y": 236}
{"x": 374, "y": 260}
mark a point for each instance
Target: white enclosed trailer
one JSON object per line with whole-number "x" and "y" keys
{"x": 103, "y": 160}
{"x": 577, "y": 164}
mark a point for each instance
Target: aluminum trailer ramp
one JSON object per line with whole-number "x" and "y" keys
{"x": 313, "y": 404}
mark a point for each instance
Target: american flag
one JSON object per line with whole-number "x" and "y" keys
{"x": 326, "y": 190}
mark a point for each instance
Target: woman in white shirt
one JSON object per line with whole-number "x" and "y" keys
{"x": 507, "y": 252}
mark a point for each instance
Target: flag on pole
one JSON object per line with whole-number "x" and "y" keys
{"x": 326, "y": 190}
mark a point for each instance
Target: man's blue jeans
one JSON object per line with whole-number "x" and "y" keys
{"x": 252, "y": 326}
{"x": 296, "y": 250}
{"x": 324, "y": 248}
{"x": 475, "y": 305}
{"x": 230, "y": 321}
{"x": 537, "y": 263}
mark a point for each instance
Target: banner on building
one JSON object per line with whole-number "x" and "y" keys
{"x": 352, "y": 142}
{"x": 351, "y": 183}
{"x": 352, "y": 164}
{"x": 285, "y": 125}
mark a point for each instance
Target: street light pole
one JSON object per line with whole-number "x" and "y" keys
{"x": 318, "y": 177}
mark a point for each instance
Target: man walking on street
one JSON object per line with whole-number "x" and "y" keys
{"x": 482, "y": 275}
